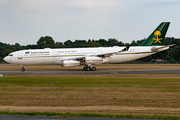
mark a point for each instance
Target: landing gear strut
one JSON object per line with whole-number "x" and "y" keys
{"x": 89, "y": 68}
{"x": 22, "y": 68}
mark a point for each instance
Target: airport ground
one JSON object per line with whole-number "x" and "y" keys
{"x": 120, "y": 94}
{"x": 103, "y": 66}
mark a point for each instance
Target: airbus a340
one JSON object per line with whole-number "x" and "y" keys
{"x": 69, "y": 57}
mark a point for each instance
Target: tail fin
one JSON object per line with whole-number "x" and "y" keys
{"x": 157, "y": 36}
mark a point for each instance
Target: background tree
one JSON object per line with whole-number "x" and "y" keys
{"x": 120, "y": 43}
{"x": 112, "y": 42}
{"x": 46, "y": 41}
{"x": 133, "y": 43}
{"x": 166, "y": 41}
{"x": 140, "y": 41}
{"x": 103, "y": 42}
{"x": 89, "y": 41}
{"x": 79, "y": 43}
{"x": 6, "y": 52}
{"x": 17, "y": 45}
{"x": 32, "y": 47}
{"x": 68, "y": 43}
{"x": 59, "y": 45}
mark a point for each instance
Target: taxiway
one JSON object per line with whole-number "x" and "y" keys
{"x": 103, "y": 71}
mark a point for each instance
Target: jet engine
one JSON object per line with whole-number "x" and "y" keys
{"x": 70, "y": 63}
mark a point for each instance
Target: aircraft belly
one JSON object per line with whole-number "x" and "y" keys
{"x": 127, "y": 57}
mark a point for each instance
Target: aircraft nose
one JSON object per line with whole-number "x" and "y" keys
{"x": 5, "y": 59}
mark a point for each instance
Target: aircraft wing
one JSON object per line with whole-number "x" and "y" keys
{"x": 99, "y": 55}
{"x": 108, "y": 54}
{"x": 154, "y": 49}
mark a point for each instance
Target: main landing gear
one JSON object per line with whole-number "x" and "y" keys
{"x": 22, "y": 68}
{"x": 89, "y": 68}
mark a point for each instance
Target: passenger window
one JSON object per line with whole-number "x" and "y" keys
{"x": 26, "y": 52}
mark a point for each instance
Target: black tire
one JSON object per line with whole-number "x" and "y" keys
{"x": 88, "y": 69}
{"x": 22, "y": 69}
{"x": 85, "y": 68}
{"x": 94, "y": 69}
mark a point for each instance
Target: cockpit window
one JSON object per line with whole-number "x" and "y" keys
{"x": 26, "y": 52}
{"x": 10, "y": 55}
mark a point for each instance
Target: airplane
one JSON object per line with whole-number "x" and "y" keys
{"x": 69, "y": 57}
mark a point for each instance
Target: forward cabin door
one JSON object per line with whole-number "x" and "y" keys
{"x": 20, "y": 55}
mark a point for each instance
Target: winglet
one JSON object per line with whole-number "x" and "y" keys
{"x": 125, "y": 49}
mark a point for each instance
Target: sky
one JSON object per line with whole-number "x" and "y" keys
{"x": 25, "y": 21}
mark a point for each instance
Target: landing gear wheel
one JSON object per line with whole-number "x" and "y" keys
{"x": 88, "y": 69}
{"x": 22, "y": 69}
{"x": 94, "y": 69}
{"x": 85, "y": 68}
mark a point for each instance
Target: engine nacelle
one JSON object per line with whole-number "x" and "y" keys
{"x": 70, "y": 63}
{"x": 90, "y": 60}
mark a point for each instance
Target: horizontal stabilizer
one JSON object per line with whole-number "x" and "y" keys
{"x": 154, "y": 49}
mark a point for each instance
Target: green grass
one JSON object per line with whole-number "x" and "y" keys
{"x": 156, "y": 83}
{"x": 162, "y": 93}
{"x": 81, "y": 81}
{"x": 66, "y": 115}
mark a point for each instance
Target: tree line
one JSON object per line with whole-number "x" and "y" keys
{"x": 171, "y": 55}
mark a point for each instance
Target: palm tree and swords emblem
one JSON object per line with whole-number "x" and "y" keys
{"x": 157, "y": 39}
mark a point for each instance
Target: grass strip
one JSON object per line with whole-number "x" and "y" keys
{"x": 66, "y": 115}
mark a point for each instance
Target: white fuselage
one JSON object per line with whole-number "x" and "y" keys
{"x": 57, "y": 56}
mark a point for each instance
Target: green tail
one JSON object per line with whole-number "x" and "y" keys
{"x": 158, "y": 35}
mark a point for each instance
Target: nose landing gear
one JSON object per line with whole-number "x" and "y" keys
{"x": 89, "y": 68}
{"x": 22, "y": 68}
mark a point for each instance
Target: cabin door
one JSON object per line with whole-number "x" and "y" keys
{"x": 20, "y": 55}
{"x": 136, "y": 50}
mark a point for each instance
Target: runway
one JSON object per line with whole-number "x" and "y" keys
{"x": 100, "y": 71}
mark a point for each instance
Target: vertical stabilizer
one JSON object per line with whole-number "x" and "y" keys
{"x": 157, "y": 36}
